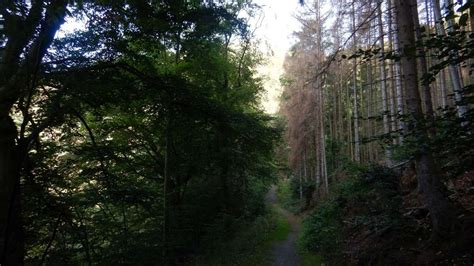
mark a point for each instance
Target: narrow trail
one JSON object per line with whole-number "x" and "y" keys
{"x": 285, "y": 253}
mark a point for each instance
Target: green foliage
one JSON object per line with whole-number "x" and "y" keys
{"x": 310, "y": 259}
{"x": 451, "y": 140}
{"x": 288, "y": 194}
{"x": 250, "y": 244}
{"x": 154, "y": 141}
{"x": 281, "y": 230}
{"x": 322, "y": 231}
{"x": 368, "y": 200}
{"x": 453, "y": 144}
{"x": 335, "y": 155}
{"x": 247, "y": 244}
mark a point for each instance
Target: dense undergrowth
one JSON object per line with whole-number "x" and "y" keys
{"x": 376, "y": 215}
{"x": 250, "y": 243}
{"x": 367, "y": 201}
{"x": 289, "y": 194}
{"x": 368, "y": 219}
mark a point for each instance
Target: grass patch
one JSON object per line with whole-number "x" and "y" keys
{"x": 247, "y": 246}
{"x": 284, "y": 191}
{"x": 251, "y": 245}
{"x": 310, "y": 259}
{"x": 285, "y": 196}
{"x": 282, "y": 228}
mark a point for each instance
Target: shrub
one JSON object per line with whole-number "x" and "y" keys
{"x": 366, "y": 201}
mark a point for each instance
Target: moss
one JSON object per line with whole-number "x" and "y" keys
{"x": 281, "y": 231}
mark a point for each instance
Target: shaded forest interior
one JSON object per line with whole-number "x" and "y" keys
{"x": 139, "y": 138}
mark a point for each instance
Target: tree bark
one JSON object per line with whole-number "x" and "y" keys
{"x": 398, "y": 81}
{"x": 354, "y": 91}
{"x": 383, "y": 86}
{"x": 393, "y": 115}
{"x": 28, "y": 41}
{"x": 453, "y": 68}
{"x": 441, "y": 210}
{"x": 322, "y": 147}
{"x": 471, "y": 61}
{"x": 11, "y": 233}
{"x": 427, "y": 100}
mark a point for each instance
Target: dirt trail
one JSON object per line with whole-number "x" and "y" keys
{"x": 284, "y": 253}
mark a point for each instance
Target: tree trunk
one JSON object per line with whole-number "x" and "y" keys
{"x": 398, "y": 81}
{"x": 471, "y": 61}
{"x": 442, "y": 87}
{"x": 441, "y": 210}
{"x": 300, "y": 179}
{"x": 369, "y": 88}
{"x": 383, "y": 86}
{"x": 305, "y": 169}
{"x": 11, "y": 233}
{"x": 354, "y": 91}
{"x": 453, "y": 68}
{"x": 27, "y": 43}
{"x": 393, "y": 115}
{"x": 166, "y": 172}
{"x": 322, "y": 147}
{"x": 427, "y": 101}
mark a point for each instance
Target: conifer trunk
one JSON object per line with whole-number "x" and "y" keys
{"x": 398, "y": 80}
{"x": 431, "y": 187}
{"x": 452, "y": 68}
{"x": 354, "y": 91}
{"x": 427, "y": 101}
{"x": 393, "y": 114}
{"x": 383, "y": 86}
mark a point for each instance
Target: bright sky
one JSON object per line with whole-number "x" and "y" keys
{"x": 276, "y": 27}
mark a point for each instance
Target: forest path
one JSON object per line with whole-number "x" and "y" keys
{"x": 285, "y": 253}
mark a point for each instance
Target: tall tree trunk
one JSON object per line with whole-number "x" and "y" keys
{"x": 305, "y": 169}
{"x": 369, "y": 154}
{"x": 27, "y": 43}
{"x": 349, "y": 134}
{"x": 324, "y": 173}
{"x": 317, "y": 168}
{"x": 439, "y": 96}
{"x": 11, "y": 232}
{"x": 398, "y": 81}
{"x": 393, "y": 114}
{"x": 300, "y": 179}
{"x": 383, "y": 87}
{"x": 354, "y": 91}
{"x": 441, "y": 210}
{"x": 427, "y": 101}
{"x": 471, "y": 61}
{"x": 453, "y": 68}
{"x": 368, "y": 121}
{"x": 166, "y": 173}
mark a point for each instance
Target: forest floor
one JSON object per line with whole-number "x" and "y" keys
{"x": 284, "y": 247}
{"x": 285, "y": 252}
{"x": 272, "y": 239}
